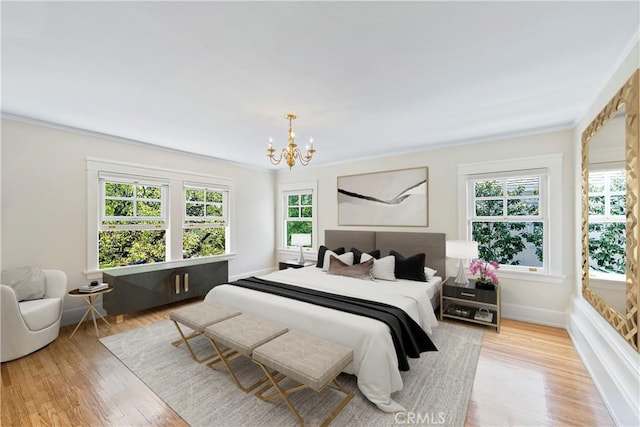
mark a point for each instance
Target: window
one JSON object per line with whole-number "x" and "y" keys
{"x": 607, "y": 239}
{"x": 299, "y": 215}
{"x": 507, "y": 219}
{"x": 133, "y": 223}
{"x": 145, "y": 214}
{"x": 297, "y": 212}
{"x": 205, "y": 222}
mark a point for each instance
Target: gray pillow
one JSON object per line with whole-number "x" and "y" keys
{"x": 358, "y": 271}
{"x": 27, "y": 282}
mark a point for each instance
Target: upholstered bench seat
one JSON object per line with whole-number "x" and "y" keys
{"x": 311, "y": 361}
{"x": 197, "y": 317}
{"x": 242, "y": 334}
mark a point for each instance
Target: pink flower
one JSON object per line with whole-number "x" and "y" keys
{"x": 486, "y": 270}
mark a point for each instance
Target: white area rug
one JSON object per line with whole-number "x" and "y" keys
{"x": 436, "y": 389}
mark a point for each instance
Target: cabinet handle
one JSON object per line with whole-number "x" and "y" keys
{"x": 177, "y": 281}
{"x": 186, "y": 282}
{"x": 467, "y": 294}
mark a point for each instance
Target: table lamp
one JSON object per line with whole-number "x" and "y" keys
{"x": 462, "y": 249}
{"x": 301, "y": 240}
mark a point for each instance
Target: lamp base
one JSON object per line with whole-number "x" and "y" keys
{"x": 301, "y": 259}
{"x": 461, "y": 278}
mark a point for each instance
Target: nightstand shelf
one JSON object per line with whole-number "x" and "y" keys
{"x": 463, "y": 302}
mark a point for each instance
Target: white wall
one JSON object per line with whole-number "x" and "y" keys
{"x": 612, "y": 363}
{"x": 535, "y": 301}
{"x": 44, "y": 200}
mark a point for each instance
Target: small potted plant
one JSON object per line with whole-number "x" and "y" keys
{"x": 487, "y": 269}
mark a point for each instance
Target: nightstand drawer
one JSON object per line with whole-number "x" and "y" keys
{"x": 470, "y": 294}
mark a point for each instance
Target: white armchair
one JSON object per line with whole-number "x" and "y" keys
{"x": 28, "y": 326}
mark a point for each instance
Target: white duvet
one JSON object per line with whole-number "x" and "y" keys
{"x": 374, "y": 358}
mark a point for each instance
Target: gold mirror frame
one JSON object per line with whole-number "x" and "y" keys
{"x": 625, "y": 323}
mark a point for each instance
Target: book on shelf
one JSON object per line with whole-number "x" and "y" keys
{"x": 89, "y": 289}
{"x": 484, "y": 315}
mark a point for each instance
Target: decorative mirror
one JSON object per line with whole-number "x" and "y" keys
{"x": 611, "y": 211}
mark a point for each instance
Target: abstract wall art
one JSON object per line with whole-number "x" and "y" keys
{"x": 390, "y": 198}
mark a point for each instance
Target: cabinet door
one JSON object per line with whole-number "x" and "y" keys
{"x": 136, "y": 292}
{"x": 197, "y": 280}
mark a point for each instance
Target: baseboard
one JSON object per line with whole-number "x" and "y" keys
{"x": 535, "y": 315}
{"x": 73, "y": 315}
{"x": 611, "y": 362}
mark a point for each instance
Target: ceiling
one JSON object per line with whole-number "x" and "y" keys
{"x": 364, "y": 78}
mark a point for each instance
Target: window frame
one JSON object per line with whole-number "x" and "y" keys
{"x": 284, "y": 190}
{"x": 224, "y": 224}
{"x": 542, "y": 216}
{"x": 553, "y": 164}
{"x": 175, "y": 180}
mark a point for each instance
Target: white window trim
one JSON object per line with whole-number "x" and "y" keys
{"x": 176, "y": 179}
{"x": 287, "y": 188}
{"x": 553, "y": 164}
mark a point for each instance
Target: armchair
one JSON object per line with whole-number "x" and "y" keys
{"x": 28, "y": 326}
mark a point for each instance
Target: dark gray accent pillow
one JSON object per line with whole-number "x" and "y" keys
{"x": 411, "y": 268}
{"x": 357, "y": 253}
{"x": 321, "y": 250}
{"x": 358, "y": 271}
{"x": 27, "y": 282}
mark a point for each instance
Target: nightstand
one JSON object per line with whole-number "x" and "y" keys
{"x": 467, "y": 303}
{"x": 293, "y": 263}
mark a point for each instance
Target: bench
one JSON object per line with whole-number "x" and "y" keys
{"x": 311, "y": 361}
{"x": 197, "y": 317}
{"x": 241, "y": 334}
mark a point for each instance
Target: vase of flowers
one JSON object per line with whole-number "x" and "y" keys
{"x": 487, "y": 270}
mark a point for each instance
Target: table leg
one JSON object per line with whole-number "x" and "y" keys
{"x": 93, "y": 316}
{"x": 86, "y": 313}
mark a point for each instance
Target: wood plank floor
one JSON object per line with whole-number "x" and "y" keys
{"x": 527, "y": 375}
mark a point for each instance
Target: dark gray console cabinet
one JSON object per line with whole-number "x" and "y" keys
{"x": 140, "y": 287}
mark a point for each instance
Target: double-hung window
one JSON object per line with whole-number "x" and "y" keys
{"x": 507, "y": 216}
{"x": 298, "y": 215}
{"x": 205, "y": 221}
{"x": 607, "y": 239}
{"x": 133, "y": 221}
{"x": 145, "y": 214}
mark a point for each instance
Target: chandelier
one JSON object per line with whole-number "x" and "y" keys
{"x": 291, "y": 152}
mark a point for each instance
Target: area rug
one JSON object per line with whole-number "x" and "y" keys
{"x": 436, "y": 389}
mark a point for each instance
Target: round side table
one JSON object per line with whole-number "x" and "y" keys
{"x": 90, "y": 299}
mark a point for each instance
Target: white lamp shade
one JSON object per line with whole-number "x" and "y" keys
{"x": 300, "y": 240}
{"x": 461, "y": 249}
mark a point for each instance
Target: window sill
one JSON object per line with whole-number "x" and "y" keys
{"x": 556, "y": 279}
{"x": 308, "y": 253}
{"x": 97, "y": 274}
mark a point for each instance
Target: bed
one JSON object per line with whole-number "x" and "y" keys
{"x": 375, "y": 362}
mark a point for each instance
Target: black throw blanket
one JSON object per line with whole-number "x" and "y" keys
{"x": 408, "y": 337}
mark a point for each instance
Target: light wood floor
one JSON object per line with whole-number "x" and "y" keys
{"x": 527, "y": 375}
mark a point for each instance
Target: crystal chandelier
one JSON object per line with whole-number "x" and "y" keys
{"x": 291, "y": 152}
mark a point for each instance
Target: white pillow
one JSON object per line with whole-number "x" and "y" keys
{"x": 429, "y": 272}
{"x": 346, "y": 258}
{"x": 383, "y": 268}
{"x": 27, "y": 282}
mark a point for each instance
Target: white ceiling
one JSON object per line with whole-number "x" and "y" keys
{"x": 364, "y": 78}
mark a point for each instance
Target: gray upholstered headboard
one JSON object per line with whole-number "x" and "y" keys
{"x": 432, "y": 244}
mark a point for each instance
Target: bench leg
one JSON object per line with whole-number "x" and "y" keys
{"x": 185, "y": 340}
{"x": 225, "y": 358}
{"x": 282, "y": 393}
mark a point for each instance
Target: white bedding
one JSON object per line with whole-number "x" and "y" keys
{"x": 375, "y": 362}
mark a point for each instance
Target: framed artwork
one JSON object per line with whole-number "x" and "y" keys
{"x": 391, "y": 198}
